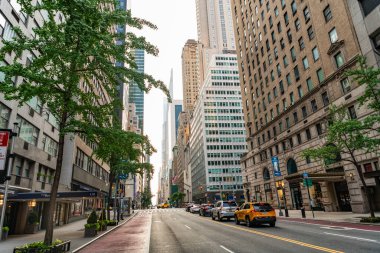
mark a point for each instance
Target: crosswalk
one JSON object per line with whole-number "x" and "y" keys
{"x": 148, "y": 212}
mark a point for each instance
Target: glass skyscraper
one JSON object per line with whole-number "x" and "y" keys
{"x": 136, "y": 95}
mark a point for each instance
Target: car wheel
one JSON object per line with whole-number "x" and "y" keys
{"x": 228, "y": 219}
{"x": 237, "y": 222}
{"x": 272, "y": 224}
{"x": 212, "y": 217}
{"x": 219, "y": 219}
{"x": 248, "y": 222}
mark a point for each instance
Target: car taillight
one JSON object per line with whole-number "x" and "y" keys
{"x": 253, "y": 211}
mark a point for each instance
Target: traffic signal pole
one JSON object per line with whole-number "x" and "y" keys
{"x": 8, "y": 172}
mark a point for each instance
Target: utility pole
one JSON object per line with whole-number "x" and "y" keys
{"x": 11, "y": 134}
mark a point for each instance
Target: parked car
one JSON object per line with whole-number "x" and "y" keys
{"x": 195, "y": 208}
{"x": 256, "y": 213}
{"x": 224, "y": 209}
{"x": 188, "y": 206}
{"x": 205, "y": 209}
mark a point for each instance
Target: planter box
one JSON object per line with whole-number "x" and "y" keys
{"x": 90, "y": 232}
{"x": 31, "y": 228}
{"x": 103, "y": 227}
{"x": 4, "y": 235}
{"x": 59, "y": 248}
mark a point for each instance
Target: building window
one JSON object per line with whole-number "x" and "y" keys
{"x": 50, "y": 146}
{"x": 319, "y": 128}
{"x": 304, "y": 112}
{"x": 352, "y": 112}
{"x": 291, "y": 96}
{"x": 279, "y": 27}
{"x": 305, "y": 63}
{"x": 368, "y": 6}
{"x": 301, "y": 43}
{"x": 288, "y": 79}
{"x": 286, "y": 18}
{"x": 308, "y": 134}
{"x": 289, "y": 35}
{"x": 310, "y": 33}
{"x": 300, "y": 92}
{"x": 315, "y": 54}
{"x": 294, "y": 7}
{"x": 325, "y": 99}
{"x": 299, "y": 140}
{"x": 293, "y": 54}
{"x": 285, "y": 60}
{"x": 333, "y": 35}
{"x": 308, "y": 159}
{"x": 306, "y": 14}
{"x": 339, "y": 61}
{"x": 345, "y": 84}
{"x": 281, "y": 87}
{"x": 309, "y": 84}
{"x": 314, "y": 106}
{"x": 6, "y": 29}
{"x": 367, "y": 167}
{"x": 287, "y": 121}
{"x": 27, "y": 131}
{"x": 4, "y": 116}
{"x": 297, "y": 24}
{"x": 295, "y": 116}
{"x": 321, "y": 75}
{"x": 327, "y": 13}
{"x": 296, "y": 73}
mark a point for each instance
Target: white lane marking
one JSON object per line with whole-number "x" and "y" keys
{"x": 337, "y": 228}
{"x": 157, "y": 221}
{"x": 226, "y": 249}
{"x": 315, "y": 224}
{"x": 188, "y": 227}
{"x": 353, "y": 237}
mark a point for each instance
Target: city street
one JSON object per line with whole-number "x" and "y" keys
{"x": 174, "y": 230}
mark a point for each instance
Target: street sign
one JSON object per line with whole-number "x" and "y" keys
{"x": 308, "y": 182}
{"x": 4, "y": 139}
{"x": 305, "y": 175}
{"x": 276, "y": 167}
{"x": 123, "y": 176}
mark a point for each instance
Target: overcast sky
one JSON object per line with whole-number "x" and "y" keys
{"x": 176, "y": 21}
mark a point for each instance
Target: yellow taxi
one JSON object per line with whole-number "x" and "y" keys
{"x": 165, "y": 205}
{"x": 254, "y": 213}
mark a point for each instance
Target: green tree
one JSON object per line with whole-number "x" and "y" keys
{"x": 146, "y": 197}
{"x": 123, "y": 151}
{"x": 177, "y": 197}
{"x": 75, "y": 46}
{"x": 346, "y": 136}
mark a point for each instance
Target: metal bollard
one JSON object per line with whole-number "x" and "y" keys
{"x": 303, "y": 212}
{"x": 286, "y": 212}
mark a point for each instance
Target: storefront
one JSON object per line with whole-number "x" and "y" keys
{"x": 69, "y": 205}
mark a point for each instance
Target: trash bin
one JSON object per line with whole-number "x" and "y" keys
{"x": 303, "y": 212}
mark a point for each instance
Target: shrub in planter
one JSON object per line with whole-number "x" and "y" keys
{"x": 370, "y": 219}
{"x": 92, "y": 226}
{"x": 57, "y": 246}
{"x": 103, "y": 221}
{"x": 32, "y": 223}
{"x": 4, "y": 234}
{"x": 112, "y": 223}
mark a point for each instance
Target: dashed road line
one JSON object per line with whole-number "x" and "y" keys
{"x": 228, "y": 250}
{"x": 188, "y": 227}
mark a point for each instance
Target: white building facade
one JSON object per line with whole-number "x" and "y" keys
{"x": 218, "y": 134}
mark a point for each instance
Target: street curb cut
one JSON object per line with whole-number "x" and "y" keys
{"x": 100, "y": 236}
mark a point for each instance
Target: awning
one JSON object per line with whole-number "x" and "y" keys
{"x": 317, "y": 177}
{"x": 45, "y": 196}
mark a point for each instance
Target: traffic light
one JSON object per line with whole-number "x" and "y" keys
{"x": 4, "y": 177}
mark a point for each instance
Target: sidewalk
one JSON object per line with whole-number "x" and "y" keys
{"x": 348, "y": 217}
{"x": 73, "y": 231}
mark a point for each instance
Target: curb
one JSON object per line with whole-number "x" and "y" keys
{"x": 332, "y": 221}
{"x": 100, "y": 236}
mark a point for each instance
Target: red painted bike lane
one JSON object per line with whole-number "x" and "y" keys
{"x": 334, "y": 223}
{"x": 133, "y": 236}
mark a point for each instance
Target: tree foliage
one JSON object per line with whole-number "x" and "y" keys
{"x": 73, "y": 71}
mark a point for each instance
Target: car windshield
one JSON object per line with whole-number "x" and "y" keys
{"x": 229, "y": 204}
{"x": 262, "y": 207}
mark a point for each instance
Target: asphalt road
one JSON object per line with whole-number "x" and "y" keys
{"x": 174, "y": 230}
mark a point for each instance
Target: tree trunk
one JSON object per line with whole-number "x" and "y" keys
{"x": 366, "y": 190}
{"x": 54, "y": 189}
{"x": 111, "y": 179}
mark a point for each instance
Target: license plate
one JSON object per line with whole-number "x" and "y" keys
{"x": 264, "y": 212}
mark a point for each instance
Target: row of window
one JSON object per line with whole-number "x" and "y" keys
{"x": 220, "y": 104}
{"x": 226, "y": 147}
{"x": 224, "y": 125}
{"x": 226, "y": 179}
{"x": 224, "y": 171}
{"x": 85, "y": 162}
{"x": 226, "y": 162}
{"x": 218, "y": 111}
{"x": 225, "y": 132}
{"x": 225, "y": 139}
{"x": 224, "y": 118}
{"x": 223, "y": 155}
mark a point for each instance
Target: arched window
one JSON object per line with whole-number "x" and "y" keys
{"x": 266, "y": 174}
{"x": 291, "y": 166}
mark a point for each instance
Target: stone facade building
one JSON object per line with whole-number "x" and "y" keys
{"x": 292, "y": 55}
